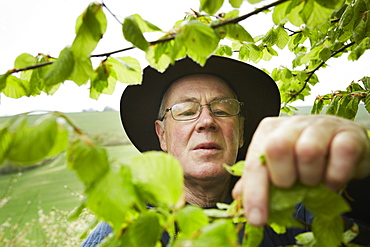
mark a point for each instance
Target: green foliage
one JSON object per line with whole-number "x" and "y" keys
{"x": 119, "y": 193}
{"x": 327, "y": 29}
{"x": 344, "y": 103}
{"x": 200, "y": 39}
{"x": 19, "y": 137}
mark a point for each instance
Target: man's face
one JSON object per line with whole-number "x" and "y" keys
{"x": 201, "y": 145}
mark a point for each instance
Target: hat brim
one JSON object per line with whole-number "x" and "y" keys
{"x": 140, "y": 103}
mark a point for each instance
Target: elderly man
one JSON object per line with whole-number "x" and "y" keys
{"x": 209, "y": 116}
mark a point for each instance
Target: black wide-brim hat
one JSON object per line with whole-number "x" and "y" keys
{"x": 140, "y": 103}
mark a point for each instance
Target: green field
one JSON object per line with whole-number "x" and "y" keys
{"x": 53, "y": 185}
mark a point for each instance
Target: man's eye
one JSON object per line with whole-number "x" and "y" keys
{"x": 188, "y": 113}
{"x": 220, "y": 113}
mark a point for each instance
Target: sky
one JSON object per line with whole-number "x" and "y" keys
{"x": 45, "y": 26}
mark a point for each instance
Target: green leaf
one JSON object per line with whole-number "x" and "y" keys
{"x": 236, "y": 32}
{"x": 282, "y": 37}
{"x": 75, "y": 213}
{"x": 253, "y": 236}
{"x": 24, "y": 60}
{"x": 270, "y": 38}
{"x": 279, "y": 13}
{"x": 333, "y": 106}
{"x": 210, "y": 6}
{"x": 90, "y": 28}
{"x": 158, "y": 57}
{"x": 200, "y": 40}
{"x": 224, "y": 50}
{"x": 250, "y": 52}
{"x": 351, "y": 233}
{"x": 221, "y": 232}
{"x": 254, "y": 1}
{"x": 367, "y": 103}
{"x": 236, "y": 169}
{"x": 144, "y": 25}
{"x": 341, "y": 112}
{"x": 231, "y": 14}
{"x": 112, "y": 196}
{"x": 346, "y": 20}
{"x": 126, "y": 69}
{"x": 277, "y": 228}
{"x": 366, "y": 82}
{"x": 330, "y": 4}
{"x": 312, "y": 55}
{"x": 60, "y": 70}
{"x": 159, "y": 177}
{"x": 306, "y": 239}
{"x": 132, "y": 33}
{"x": 325, "y": 54}
{"x": 144, "y": 231}
{"x": 314, "y": 14}
{"x": 44, "y": 132}
{"x": 99, "y": 81}
{"x": 3, "y": 79}
{"x": 323, "y": 202}
{"x": 82, "y": 71}
{"x": 88, "y": 159}
{"x": 359, "y": 33}
{"x": 178, "y": 50}
{"x": 352, "y": 108}
{"x": 328, "y": 231}
{"x": 190, "y": 219}
{"x": 236, "y": 3}
{"x": 16, "y": 88}
{"x": 282, "y": 202}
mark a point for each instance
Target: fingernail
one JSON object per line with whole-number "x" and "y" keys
{"x": 255, "y": 217}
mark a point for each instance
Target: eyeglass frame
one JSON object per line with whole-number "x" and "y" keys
{"x": 240, "y": 104}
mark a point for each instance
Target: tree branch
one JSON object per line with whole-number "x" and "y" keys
{"x": 12, "y": 71}
{"x": 311, "y": 73}
{"x": 243, "y": 17}
{"x": 230, "y": 21}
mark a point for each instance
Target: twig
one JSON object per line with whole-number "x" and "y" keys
{"x": 12, "y": 71}
{"x": 311, "y": 73}
{"x": 115, "y": 17}
{"x": 243, "y": 17}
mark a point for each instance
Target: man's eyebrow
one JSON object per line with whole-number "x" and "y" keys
{"x": 193, "y": 99}
{"x": 188, "y": 99}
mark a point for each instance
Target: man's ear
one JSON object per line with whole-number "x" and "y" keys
{"x": 159, "y": 129}
{"x": 241, "y": 131}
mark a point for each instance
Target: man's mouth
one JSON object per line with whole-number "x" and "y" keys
{"x": 207, "y": 146}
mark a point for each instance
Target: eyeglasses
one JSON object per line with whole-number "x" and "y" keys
{"x": 190, "y": 110}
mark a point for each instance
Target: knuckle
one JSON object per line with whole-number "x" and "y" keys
{"x": 307, "y": 154}
{"x": 278, "y": 146}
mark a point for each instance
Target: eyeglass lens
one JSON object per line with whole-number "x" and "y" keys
{"x": 219, "y": 108}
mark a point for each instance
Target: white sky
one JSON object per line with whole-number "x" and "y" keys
{"x": 45, "y": 26}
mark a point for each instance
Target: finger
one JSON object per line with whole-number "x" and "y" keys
{"x": 311, "y": 152}
{"x": 345, "y": 153}
{"x": 255, "y": 192}
{"x": 238, "y": 189}
{"x": 279, "y": 153}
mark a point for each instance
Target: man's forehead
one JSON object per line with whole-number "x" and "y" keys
{"x": 199, "y": 81}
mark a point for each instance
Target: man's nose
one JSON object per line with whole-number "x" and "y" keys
{"x": 206, "y": 120}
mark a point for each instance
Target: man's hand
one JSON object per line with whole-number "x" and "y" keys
{"x": 310, "y": 149}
